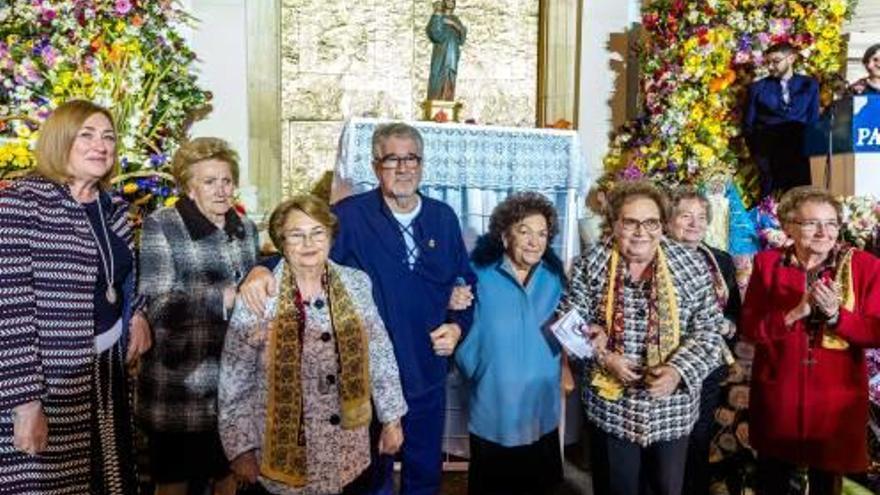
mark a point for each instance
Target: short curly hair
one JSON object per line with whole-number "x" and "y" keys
{"x": 490, "y": 247}
{"x": 624, "y": 192}
{"x": 198, "y": 150}
{"x": 683, "y": 193}
{"x": 793, "y": 199}
{"x": 308, "y": 204}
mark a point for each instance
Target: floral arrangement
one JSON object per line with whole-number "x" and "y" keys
{"x": 126, "y": 55}
{"x": 768, "y": 225}
{"x": 861, "y": 220}
{"x": 697, "y": 59}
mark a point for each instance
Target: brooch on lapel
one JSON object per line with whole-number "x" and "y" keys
{"x": 432, "y": 243}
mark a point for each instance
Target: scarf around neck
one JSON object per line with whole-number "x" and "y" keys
{"x": 284, "y": 457}
{"x": 664, "y": 328}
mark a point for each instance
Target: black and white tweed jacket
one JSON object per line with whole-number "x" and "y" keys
{"x": 637, "y": 417}
{"x": 186, "y": 262}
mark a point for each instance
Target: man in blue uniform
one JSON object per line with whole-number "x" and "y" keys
{"x": 412, "y": 249}
{"x": 779, "y": 108}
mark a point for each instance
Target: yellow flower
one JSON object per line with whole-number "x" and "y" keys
{"x": 171, "y": 201}
{"x": 837, "y": 7}
{"x": 704, "y": 153}
{"x": 22, "y": 131}
{"x": 130, "y": 188}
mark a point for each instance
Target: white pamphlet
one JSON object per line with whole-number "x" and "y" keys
{"x": 569, "y": 331}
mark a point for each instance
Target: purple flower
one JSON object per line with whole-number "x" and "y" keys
{"x": 50, "y": 56}
{"x": 157, "y": 159}
{"x": 123, "y": 7}
{"x": 631, "y": 172}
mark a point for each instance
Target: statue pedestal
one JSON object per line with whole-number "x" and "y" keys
{"x": 452, "y": 110}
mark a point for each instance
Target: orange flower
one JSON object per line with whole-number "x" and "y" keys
{"x": 97, "y": 43}
{"x": 137, "y": 20}
{"x": 721, "y": 83}
{"x": 441, "y": 117}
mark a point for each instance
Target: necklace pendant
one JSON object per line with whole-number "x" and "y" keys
{"x": 111, "y": 295}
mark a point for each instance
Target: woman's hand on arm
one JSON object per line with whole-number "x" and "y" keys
{"x": 30, "y": 428}
{"x": 257, "y": 288}
{"x": 391, "y": 437}
{"x": 140, "y": 339}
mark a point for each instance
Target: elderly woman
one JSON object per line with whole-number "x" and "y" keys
{"x": 295, "y": 388}
{"x": 192, "y": 256}
{"x": 657, "y": 328}
{"x": 69, "y": 315}
{"x": 688, "y": 223}
{"x": 811, "y": 309}
{"x": 509, "y": 359}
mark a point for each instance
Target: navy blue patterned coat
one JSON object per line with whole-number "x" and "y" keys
{"x": 48, "y": 271}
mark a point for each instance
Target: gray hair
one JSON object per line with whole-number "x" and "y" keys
{"x": 689, "y": 192}
{"x": 399, "y": 130}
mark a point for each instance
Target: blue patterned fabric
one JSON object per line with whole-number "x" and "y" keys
{"x": 472, "y": 168}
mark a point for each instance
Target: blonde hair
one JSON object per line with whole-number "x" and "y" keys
{"x": 198, "y": 150}
{"x": 308, "y": 204}
{"x": 57, "y": 135}
{"x": 795, "y": 197}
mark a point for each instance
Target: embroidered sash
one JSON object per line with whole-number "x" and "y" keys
{"x": 284, "y": 457}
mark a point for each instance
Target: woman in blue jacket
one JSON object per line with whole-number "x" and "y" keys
{"x": 510, "y": 360}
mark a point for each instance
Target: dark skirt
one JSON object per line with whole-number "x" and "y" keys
{"x": 530, "y": 469}
{"x": 177, "y": 457}
{"x": 113, "y": 466}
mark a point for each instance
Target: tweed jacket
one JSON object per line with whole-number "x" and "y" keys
{"x": 48, "y": 271}
{"x": 186, "y": 263}
{"x": 637, "y": 417}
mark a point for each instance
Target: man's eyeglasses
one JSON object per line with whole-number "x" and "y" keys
{"x": 298, "y": 237}
{"x": 394, "y": 162}
{"x": 813, "y": 225}
{"x": 650, "y": 225}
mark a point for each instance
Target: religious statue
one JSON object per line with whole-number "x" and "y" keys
{"x": 447, "y": 33}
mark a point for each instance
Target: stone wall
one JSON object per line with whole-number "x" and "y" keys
{"x": 371, "y": 58}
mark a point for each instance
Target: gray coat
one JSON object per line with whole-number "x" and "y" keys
{"x": 186, "y": 262}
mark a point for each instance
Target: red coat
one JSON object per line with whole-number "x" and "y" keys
{"x": 809, "y": 414}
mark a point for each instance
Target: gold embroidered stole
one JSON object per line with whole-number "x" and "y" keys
{"x": 284, "y": 457}
{"x": 844, "y": 278}
{"x": 664, "y": 328}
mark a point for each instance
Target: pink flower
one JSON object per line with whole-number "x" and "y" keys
{"x": 780, "y": 27}
{"x": 50, "y": 56}
{"x": 742, "y": 58}
{"x": 123, "y": 7}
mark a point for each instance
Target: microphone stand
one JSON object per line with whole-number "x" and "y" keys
{"x": 832, "y": 109}
{"x": 836, "y": 97}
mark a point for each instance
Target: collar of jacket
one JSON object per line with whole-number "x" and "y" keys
{"x": 200, "y": 227}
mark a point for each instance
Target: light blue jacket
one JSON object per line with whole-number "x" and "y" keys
{"x": 511, "y": 362}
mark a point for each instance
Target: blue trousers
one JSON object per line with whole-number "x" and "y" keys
{"x": 421, "y": 456}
